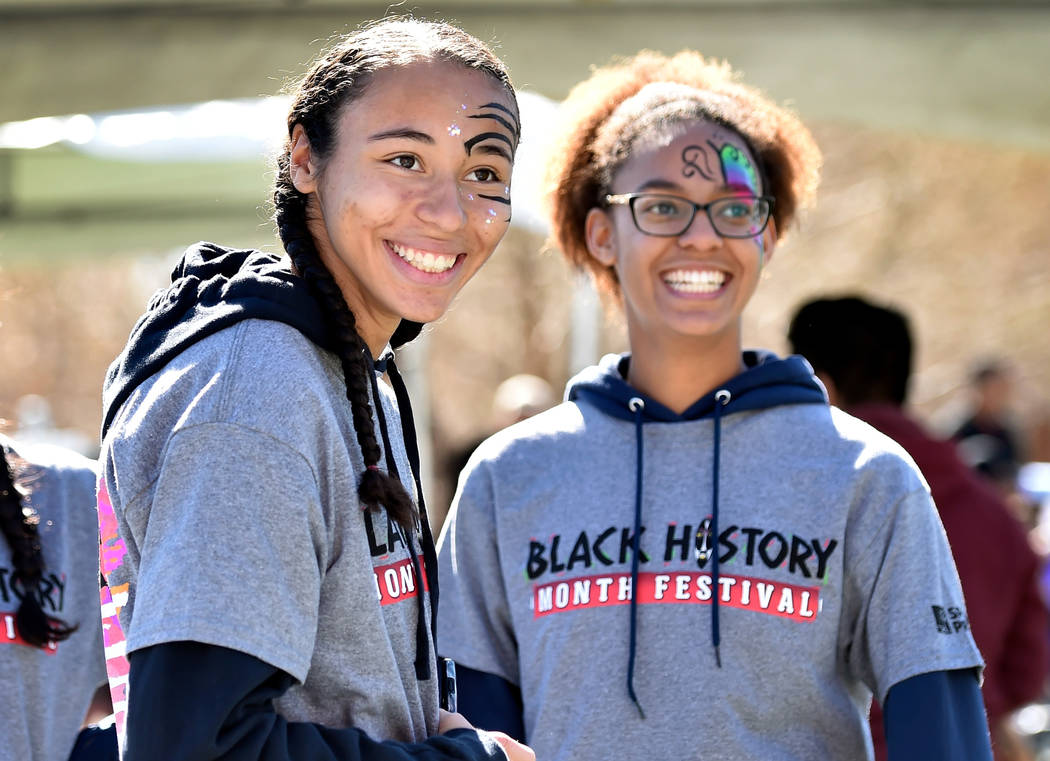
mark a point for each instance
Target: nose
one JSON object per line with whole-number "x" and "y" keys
{"x": 700, "y": 233}
{"x": 442, "y": 206}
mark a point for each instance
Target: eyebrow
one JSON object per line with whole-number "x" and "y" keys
{"x": 404, "y": 133}
{"x": 492, "y": 149}
{"x": 658, "y": 184}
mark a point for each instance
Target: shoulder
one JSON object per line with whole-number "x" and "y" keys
{"x": 240, "y": 375}
{"x": 833, "y": 433}
{"x": 57, "y": 465}
{"x": 259, "y": 379}
{"x": 542, "y": 435}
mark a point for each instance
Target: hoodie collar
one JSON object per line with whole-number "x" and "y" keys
{"x": 767, "y": 381}
{"x": 212, "y": 287}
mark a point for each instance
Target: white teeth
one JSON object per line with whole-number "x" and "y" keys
{"x": 424, "y": 261}
{"x": 695, "y": 281}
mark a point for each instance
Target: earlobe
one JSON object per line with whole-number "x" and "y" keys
{"x": 599, "y": 235}
{"x": 300, "y": 162}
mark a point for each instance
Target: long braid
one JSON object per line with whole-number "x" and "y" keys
{"x": 20, "y": 530}
{"x": 376, "y": 488}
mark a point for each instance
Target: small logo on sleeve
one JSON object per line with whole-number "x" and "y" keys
{"x": 950, "y": 620}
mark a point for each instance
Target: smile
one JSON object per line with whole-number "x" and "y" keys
{"x": 424, "y": 261}
{"x": 695, "y": 281}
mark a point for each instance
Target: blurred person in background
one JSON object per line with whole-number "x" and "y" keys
{"x": 695, "y": 556}
{"x": 52, "y": 663}
{"x": 862, "y": 352}
{"x": 520, "y": 397}
{"x": 986, "y": 438}
{"x": 517, "y": 398}
{"x": 265, "y": 537}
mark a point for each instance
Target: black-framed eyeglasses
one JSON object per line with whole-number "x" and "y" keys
{"x": 669, "y": 216}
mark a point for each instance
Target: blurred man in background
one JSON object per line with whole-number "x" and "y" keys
{"x": 863, "y": 355}
{"x": 986, "y": 439}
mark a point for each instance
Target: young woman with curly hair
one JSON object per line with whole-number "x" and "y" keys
{"x": 695, "y": 556}
{"x": 264, "y": 535}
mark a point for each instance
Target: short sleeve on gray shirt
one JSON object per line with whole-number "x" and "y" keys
{"x": 261, "y": 598}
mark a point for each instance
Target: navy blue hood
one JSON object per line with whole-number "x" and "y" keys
{"x": 212, "y": 287}
{"x": 768, "y": 381}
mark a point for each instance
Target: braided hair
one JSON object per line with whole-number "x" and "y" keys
{"x": 19, "y": 526}
{"x": 337, "y": 78}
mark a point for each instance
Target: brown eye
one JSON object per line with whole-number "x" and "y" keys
{"x": 483, "y": 174}
{"x": 405, "y": 161}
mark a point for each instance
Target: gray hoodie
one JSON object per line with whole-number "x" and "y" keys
{"x": 785, "y": 558}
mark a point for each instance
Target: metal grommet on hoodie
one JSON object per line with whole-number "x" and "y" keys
{"x": 635, "y": 403}
{"x": 722, "y": 396}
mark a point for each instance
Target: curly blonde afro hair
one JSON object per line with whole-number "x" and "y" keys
{"x": 608, "y": 115}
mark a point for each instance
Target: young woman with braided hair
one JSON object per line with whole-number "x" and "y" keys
{"x": 51, "y": 657}
{"x": 261, "y": 540}
{"x": 714, "y": 564}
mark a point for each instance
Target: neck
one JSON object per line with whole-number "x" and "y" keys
{"x": 678, "y": 372}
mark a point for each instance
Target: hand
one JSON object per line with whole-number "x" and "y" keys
{"x": 448, "y": 721}
{"x": 515, "y": 750}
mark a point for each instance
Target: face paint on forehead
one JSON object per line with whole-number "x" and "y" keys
{"x": 737, "y": 169}
{"x": 690, "y": 155}
{"x": 500, "y": 114}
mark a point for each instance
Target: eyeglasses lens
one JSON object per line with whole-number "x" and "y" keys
{"x": 730, "y": 217}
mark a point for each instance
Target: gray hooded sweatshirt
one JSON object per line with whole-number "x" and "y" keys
{"x": 785, "y": 559}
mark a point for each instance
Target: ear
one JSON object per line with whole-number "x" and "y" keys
{"x": 598, "y": 232}
{"x": 769, "y": 239}
{"x": 301, "y": 165}
{"x": 829, "y": 384}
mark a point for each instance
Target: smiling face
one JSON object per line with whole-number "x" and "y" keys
{"x": 415, "y": 194}
{"x": 695, "y": 284}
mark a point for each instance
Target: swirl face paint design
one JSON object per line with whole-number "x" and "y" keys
{"x": 689, "y": 156}
{"x": 505, "y": 118}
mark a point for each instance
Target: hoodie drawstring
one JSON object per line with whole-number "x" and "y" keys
{"x": 422, "y": 663}
{"x": 408, "y": 427}
{"x": 722, "y": 398}
{"x": 637, "y": 406}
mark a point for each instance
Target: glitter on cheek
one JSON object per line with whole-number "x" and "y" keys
{"x": 492, "y": 212}
{"x": 462, "y": 106}
{"x": 454, "y": 130}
